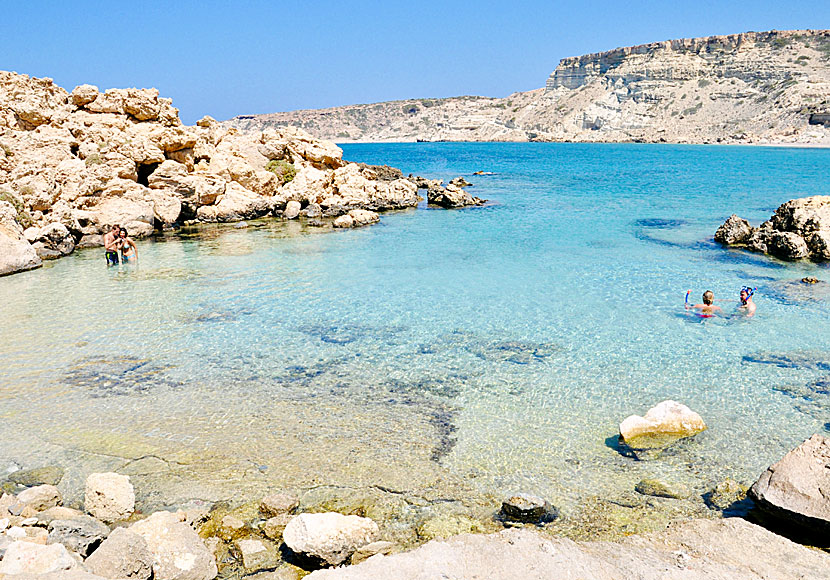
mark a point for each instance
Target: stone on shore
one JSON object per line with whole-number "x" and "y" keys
{"x": 328, "y": 537}
{"x": 663, "y": 425}
{"x": 29, "y": 558}
{"x": 733, "y": 231}
{"x": 257, "y": 554}
{"x": 292, "y": 210}
{"x": 16, "y": 253}
{"x": 365, "y": 552}
{"x": 124, "y": 554}
{"x": 109, "y": 496}
{"x": 797, "y": 488}
{"x": 81, "y": 534}
{"x": 701, "y": 549}
{"x": 178, "y": 550}
{"x": 57, "y": 513}
{"x": 39, "y": 498}
{"x": 356, "y": 218}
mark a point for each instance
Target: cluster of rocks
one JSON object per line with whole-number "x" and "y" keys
{"x": 73, "y": 164}
{"x": 451, "y": 196}
{"x": 798, "y": 229}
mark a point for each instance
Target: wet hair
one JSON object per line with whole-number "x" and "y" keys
{"x": 708, "y": 297}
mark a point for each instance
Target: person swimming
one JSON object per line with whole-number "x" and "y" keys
{"x": 747, "y": 304}
{"x": 708, "y": 308}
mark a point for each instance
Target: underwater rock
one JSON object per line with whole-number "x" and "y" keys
{"x": 373, "y": 549}
{"x": 797, "y": 488}
{"x": 799, "y": 359}
{"x": 329, "y": 537}
{"x": 356, "y": 218}
{"x": 663, "y": 425}
{"x": 656, "y": 488}
{"x": 726, "y": 496}
{"x": 117, "y": 376}
{"x": 274, "y": 526}
{"x": 515, "y": 351}
{"x": 50, "y": 475}
{"x": 278, "y": 503}
{"x": 527, "y": 508}
{"x": 257, "y": 554}
{"x": 448, "y": 525}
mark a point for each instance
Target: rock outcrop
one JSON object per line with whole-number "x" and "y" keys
{"x": 755, "y": 87}
{"x": 694, "y": 550}
{"x": 73, "y": 164}
{"x": 797, "y": 488}
{"x": 799, "y": 228}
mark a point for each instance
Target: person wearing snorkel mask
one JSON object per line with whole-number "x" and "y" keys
{"x": 747, "y": 304}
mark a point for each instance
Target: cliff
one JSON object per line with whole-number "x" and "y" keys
{"x": 755, "y": 87}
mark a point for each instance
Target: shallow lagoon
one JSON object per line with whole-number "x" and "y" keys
{"x": 456, "y": 355}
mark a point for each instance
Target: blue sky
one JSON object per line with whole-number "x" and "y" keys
{"x": 230, "y": 58}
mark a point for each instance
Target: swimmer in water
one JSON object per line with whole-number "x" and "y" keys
{"x": 708, "y": 308}
{"x": 747, "y": 304}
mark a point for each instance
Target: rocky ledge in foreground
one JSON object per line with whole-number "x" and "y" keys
{"x": 731, "y": 548}
{"x": 798, "y": 229}
{"x": 74, "y": 164}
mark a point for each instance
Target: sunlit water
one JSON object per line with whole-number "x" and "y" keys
{"x": 451, "y": 354}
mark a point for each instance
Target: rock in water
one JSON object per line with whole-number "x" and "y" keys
{"x": 109, "y": 496}
{"x": 124, "y": 554}
{"x": 797, "y": 488}
{"x": 292, "y": 210}
{"x": 278, "y": 503}
{"x": 39, "y": 498}
{"x": 178, "y": 550}
{"x": 40, "y": 475}
{"x": 356, "y": 218}
{"x": 16, "y": 254}
{"x": 662, "y": 426}
{"x": 526, "y": 508}
{"x": 733, "y": 231}
{"x": 328, "y": 537}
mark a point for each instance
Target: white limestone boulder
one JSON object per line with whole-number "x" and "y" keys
{"x": 16, "y": 253}
{"x": 356, "y": 218}
{"x": 124, "y": 554}
{"x": 23, "y": 557}
{"x": 178, "y": 551}
{"x": 662, "y": 425}
{"x": 329, "y": 537}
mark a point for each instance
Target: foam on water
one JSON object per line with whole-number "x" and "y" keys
{"x": 479, "y": 351}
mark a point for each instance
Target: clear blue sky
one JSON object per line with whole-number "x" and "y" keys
{"x": 228, "y": 58}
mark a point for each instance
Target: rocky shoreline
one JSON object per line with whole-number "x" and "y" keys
{"x": 281, "y": 536}
{"x": 73, "y": 164}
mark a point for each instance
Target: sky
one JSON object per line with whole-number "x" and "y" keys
{"x": 229, "y": 58}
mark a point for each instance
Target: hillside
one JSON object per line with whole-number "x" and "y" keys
{"x": 755, "y": 87}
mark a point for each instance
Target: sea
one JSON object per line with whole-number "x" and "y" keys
{"x": 451, "y": 355}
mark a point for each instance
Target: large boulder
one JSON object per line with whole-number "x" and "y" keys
{"x": 236, "y": 203}
{"x": 356, "y": 186}
{"x": 662, "y": 425}
{"x": 178, "y": 551}
{"x": 451, "y": 196}
{"x": 787, "y": 246}
{"x": 124, "y": 554}
{"x": 356, "y": 218}
{"x": 734, "y": 230}
{"x": 109, "y": 496}
{"x": 329, "y": 538}
{"x": 797, "y": 488}
{"x": 53, "y": 241}
{"x": 16, "y": 254}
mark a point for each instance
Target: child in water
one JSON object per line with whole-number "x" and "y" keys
{"x": 708, "y": 308}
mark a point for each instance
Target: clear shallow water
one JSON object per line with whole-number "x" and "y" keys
{"x": 452, "y": 354}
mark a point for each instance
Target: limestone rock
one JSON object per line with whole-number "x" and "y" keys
{"x": 29, "y": 558}
{"x": 54, "y": 241}
{"x": 257, "y": 554}
{"x": 662, "y": 425}
{"x": 124, "y": 554}
{"x": 365, "y": 552}
{"x": 178, "y": 551}
{"x": 278, "y": 503}
{"x": 356, "y": 218}
{"x": 40, "y": 497}
{"x": 451, "y": 196}
{"x": 329, "y": 537}
{"x": 292, "y": 210}
{"x": 16, "y": 254}
{"x": 57, "y": 513}
{"x": 733, "y": 231}
{"x": 701, "y": 549}
{"x": 797, "y": 487}
{"x": 236, "y": 203}
{"x": 787, "y": 246}
{"x": 81, "y": 534}
{"x": 84, "y": 94}
{"x": 109, "y": 496}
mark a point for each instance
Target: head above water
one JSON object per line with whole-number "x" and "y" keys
{"x": 746, "y": 293}
{"x": 708, "y": 297}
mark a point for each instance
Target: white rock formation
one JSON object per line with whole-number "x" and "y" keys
{"x": 178, "y": 550}
{"x": 330, "y": 537}
{"x": 109, "y": 496}
{"x": 662, "y": 425}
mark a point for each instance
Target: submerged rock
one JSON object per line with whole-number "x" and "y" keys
{"x": 328, "y": 537}
{"x": 656, "y": 488}
{"x": 797, "y": 488}
{"x": 527, "y": 508}
{"x": 663, "y": 425}
{"x": 51, "y": 475}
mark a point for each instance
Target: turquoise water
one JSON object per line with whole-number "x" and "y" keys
{"x": 456, "y": 354}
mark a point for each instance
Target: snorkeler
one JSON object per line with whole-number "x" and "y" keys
{"x": 747, "y": 304}
{"x": 708, "y": 308}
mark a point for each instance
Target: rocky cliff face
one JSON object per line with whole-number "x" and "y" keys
{"x": 764, "y": 87}
{"x": 74, "y": 164}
